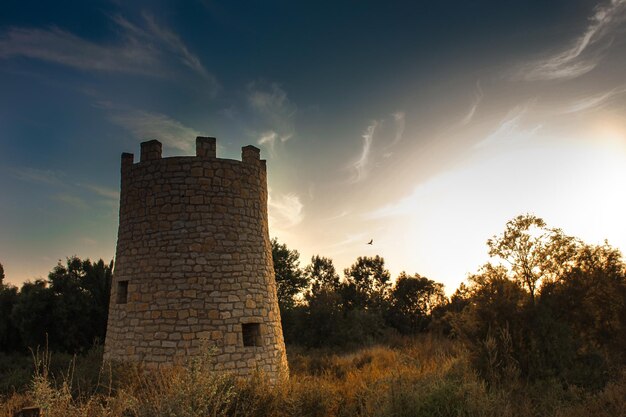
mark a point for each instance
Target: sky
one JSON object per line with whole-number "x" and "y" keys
{"x": 424, "y": 126}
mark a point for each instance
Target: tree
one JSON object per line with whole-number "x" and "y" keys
{"x": 82, "y": 289}
{"x": 554, "y": 308}
{"x": 9, "y": 336}
{"x": 33, "y": 315}
{"x": 97, "y": 280}
{"x": 591, "y": 298}
{"x": 459, "y": 299}
{"x": 491, "y": 323}
{"x": 67, "y": 312}
{"x": 321, "y": 275}
{"x": 367, "y": 283}
{"x": 533, "y": 251}
{"x": 413, "y": 299}
{"x": 290, "y": 279}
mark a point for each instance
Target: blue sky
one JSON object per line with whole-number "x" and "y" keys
{"x": 422, "y": 125}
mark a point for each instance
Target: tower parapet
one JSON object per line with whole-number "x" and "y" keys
{"x": 206, "y": 147}
{"x": 250, "y": 154}
{"x": 194, "y": 262}
{"x": 151, "y": 150}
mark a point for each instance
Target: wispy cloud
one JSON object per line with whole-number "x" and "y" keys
{"x": 351, "y": 239}
{"x": 88, "y": 241}
{"x": 144, "y": 125}
{"x": 105, "y": 192}
{"x": 478, "y": 96}
{"x": 360, "y": 166}
{"x": 139, "y": 50}
{"x": 270, "y": 100}
{"x": 71, "y": 200}
{"x": 61, "y": 47}
{"x": 48, "y": 177}
{"x": 342, "y": 214}
{"x": 65, "y": 189}
{"x": 399, "y": 122}
{"x": 177, "y": 46}
{"x": 285, "y": 210}
{"x": 269, "y": 140}
{"x": 405, "y": 205}
{"x": 586, "y": 52}
{"x": 510, "y": 129}
{"x": 593, "y": 101}
{"x": 275, "y": 113}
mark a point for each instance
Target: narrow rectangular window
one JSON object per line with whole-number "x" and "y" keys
{"x": 251, "y": 334}
{"x": 122, "y": 292}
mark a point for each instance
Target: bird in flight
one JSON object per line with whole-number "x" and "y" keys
{"x": 370, "y": 242}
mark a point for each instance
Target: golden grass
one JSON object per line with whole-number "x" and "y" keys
{"x": 425, "y": 376}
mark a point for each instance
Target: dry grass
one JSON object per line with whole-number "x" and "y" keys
{"x": 427, "y": 376}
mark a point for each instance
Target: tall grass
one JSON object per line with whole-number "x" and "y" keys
{"x": 426, "y": 376}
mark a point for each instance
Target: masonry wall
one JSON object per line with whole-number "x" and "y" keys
{"x": 193, "y": 262}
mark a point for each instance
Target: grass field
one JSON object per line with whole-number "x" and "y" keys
{"x": 425, "y": 376}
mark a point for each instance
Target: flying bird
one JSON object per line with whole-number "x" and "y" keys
{"x": 370, "y": 242}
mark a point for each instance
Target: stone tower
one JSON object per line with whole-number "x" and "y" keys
{"x": 194, "y": 262}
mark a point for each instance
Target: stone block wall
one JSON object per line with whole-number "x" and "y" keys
{"x": 194, "y": 263}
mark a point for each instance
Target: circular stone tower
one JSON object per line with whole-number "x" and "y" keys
{"x": 194, "y": 263}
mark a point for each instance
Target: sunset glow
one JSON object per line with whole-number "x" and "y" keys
{"x": 418, "y": 127}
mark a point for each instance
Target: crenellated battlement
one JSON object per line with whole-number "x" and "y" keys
{"x": 206, "y": 149}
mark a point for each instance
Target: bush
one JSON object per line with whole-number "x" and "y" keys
{"x": 424, "y": 376}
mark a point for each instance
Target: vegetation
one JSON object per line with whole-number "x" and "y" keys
{"x": 321, "y": 310}
{"x": 548, "y": 306}
{"x": 424, "y": 376}
{"x": 538, "y": 330}
{"x": 67, "y": 312}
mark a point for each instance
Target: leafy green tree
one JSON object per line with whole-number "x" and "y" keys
{"x": 591, "y": 298}
{"x": 9, "y": 336}
{"x": 555, "y": 308}
{"x": 82, "y": 290}
{"x": 68, "y": 312}
{"x": 326, "y": 318}
{"x": 533, "y": 251}
{"x": 33, "y": 315}
{"x": 367, "y": 283}
{"x": 321, "y": 275}
{"x": 492, "y": 324}
{"x": 96, "y": 280}
{"x": 290, "y": 279}
{"x": 317, "y": 322}
{"x": 459, "y": 299}
{"x": 412, "y": 301}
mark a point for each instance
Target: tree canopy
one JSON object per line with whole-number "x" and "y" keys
{"x": 413, "y": 299}
{"x": 290, "y": 279}
{"x": 547, "y": 305}
{"x": 533, "y": 251}
{"x": 367, "y": 282}
{"x": 67, "y": 312}
{"x": 321, "y": 275}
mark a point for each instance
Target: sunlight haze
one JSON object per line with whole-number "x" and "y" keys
{"x": 416, "y": 127}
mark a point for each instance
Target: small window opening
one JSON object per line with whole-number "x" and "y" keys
{"x": 251, "y": 334}
{"x": 122, "y": 292}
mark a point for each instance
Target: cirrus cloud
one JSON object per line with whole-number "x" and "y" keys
{"x": 285, "y": 210}
{"x": 145, "y": 125}
{"x": 146, "y": 49}
{"x": 587, "y": 50}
